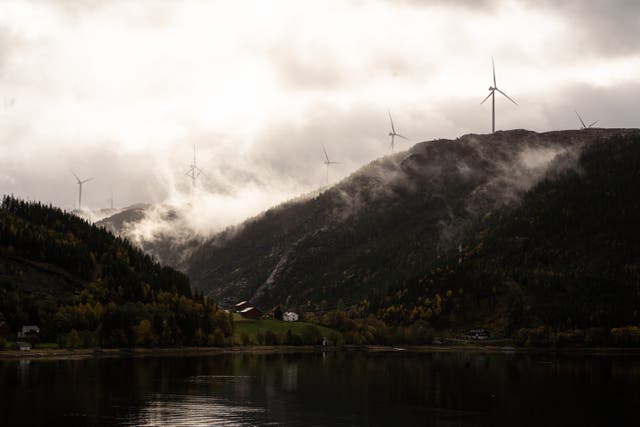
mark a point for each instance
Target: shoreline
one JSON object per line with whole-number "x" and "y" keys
{"x": 82, "y": 354}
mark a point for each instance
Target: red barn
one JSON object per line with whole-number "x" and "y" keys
{"x": 251, "y": 313}
{"x": 241, "y": 306}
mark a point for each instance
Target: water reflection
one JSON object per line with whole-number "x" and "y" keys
{"x": 290, "y": 377}
{"x": 195, "y": 411}
{"x": 338, "y": 389}
{"x": 23, "y": 371}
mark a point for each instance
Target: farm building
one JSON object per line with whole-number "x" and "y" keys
{"x": 251, "y": 313}
{"x": 23, "y": 346}
{"x": 241, "y": 306}
{"x": 290, "y": 316}
{"x": 28, "y": 330}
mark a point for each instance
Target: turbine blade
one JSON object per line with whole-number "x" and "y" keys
{"x": 493, "y": 65}
{"x": 580, "y": 118}
{"x": 403, "y": 137}
{"x": 507, "y": 96}
{"x": 593, "y": 123}
{"x": 490, "y": 93}
{"x": 88, "y": 179}
{"x": 325, "y": 152}
{"x": 393, "y": 129}
{"x": 74, "y": 174}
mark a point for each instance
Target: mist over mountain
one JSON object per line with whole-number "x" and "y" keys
{"x": 162, "y": 231}
{"x": 385, "y": 222}
{"x": 83, "y": 285}
{"x": 561, "y": 267}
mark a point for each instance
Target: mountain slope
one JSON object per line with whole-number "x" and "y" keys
{"x": 159, "y": 230}
{"x": 76, "y": 280}
{"x": 385, "y": 223}
{"x": 567, "y": 257}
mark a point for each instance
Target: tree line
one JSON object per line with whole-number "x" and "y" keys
{"x": 119, "y": 297}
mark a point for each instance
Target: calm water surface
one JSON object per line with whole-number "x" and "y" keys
{"x": 334, "y": 389}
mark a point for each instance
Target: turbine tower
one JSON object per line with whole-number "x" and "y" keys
{"x": 328, "y": 162}
{"x": 393, "y": 133}
{"x": 582, "y": 121}
{"x": 194, "y": 171}
{"x": 492, "y": 94}
{"x": 80, "y": 182}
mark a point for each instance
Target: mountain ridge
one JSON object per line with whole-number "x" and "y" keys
{"x": 373, "y": 228}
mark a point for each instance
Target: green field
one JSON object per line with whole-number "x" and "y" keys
{"x": 253, "y": 331}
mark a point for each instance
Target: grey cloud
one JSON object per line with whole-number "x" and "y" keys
{"x": 594, "y": 27}
{"x": 598, "y": 26}
{"x": 351, "y": 138}
{"x": 286, "y": 157}
{"x": 468, "y": 4}
{"x": 615, "y": 106}
{"x": 152, "y": 14}
{"x": 313, "y": 69}
{"x": 45, "y": 173}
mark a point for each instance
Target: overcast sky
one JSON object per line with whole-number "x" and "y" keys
{"x": 122, "y": 90}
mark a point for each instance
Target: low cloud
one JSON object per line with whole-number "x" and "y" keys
{"x": 123, "y": 91}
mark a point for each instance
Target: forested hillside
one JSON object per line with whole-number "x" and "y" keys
{"x": 567, "y": 258}
{"x": 83, "y": 286}
{"x": 167, "y": 235}
{"x": 394, "y": 219}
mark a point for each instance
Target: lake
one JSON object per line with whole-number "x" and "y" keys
{"x": 332, "y": 389}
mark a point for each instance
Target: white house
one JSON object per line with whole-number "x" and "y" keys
{"x": 23, "y": 346}
{"x": 28, "y": 329}
{"x": 290, "y": 316}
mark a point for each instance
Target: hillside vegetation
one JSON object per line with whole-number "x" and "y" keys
{"x": 277, "y": 332}
{"x": 161, "y": 231}
{"x": 399, "y": 217}
{"x": 567, "y": 258}
{"x": 83, "y": 286}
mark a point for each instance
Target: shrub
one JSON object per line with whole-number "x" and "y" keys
{"x": 311, "y": 335}
{"x": 626, "y": 336}
{"x": 271, "y": 338}
{"x": 245, "y": 338}
{"x": 541, "y": 336}
{"x": 293, "y": 339}
{"x": 73, "y": 339}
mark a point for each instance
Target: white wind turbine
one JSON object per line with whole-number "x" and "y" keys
{"x": 80, "y": 182}
{"x": 328, "y": 162}
{"x": 393, "y": 133}
{"x": 582, "y": 121}
{"x": 194, "y": 171}
{"x": 492, "y": 94}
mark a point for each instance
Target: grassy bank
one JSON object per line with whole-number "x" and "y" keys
{"x": 274, "y": 332}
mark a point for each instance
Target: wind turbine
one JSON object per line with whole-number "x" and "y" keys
{"x": 492, "y": 94}
{"x": 328, "y": 162}
{"x": 194, "y": 171}
{"x": 393, "y": 133}
{"x": 80, "y": 182}
{"x": 582, "y": 121}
